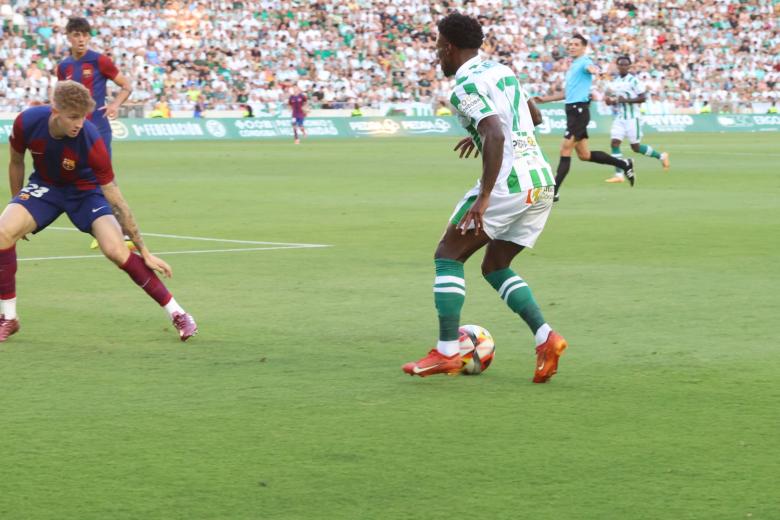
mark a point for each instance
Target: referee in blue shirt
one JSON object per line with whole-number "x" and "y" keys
{"x": 579, "y": 79}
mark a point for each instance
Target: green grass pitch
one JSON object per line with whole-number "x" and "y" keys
{"x": 290, "y": 403}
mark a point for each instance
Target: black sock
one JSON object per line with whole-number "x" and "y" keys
{"x": 605, "y": 158}
{"x": 563, "y": 170}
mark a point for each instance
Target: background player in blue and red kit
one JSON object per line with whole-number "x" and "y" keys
{"x": 72, "y": 174}
{"x": 297, "y": 102}
{"x": 93, "y": 70}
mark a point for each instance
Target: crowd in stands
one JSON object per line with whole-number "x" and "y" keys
{"x": 222, "y": 54}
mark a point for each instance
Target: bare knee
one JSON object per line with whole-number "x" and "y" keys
{"x": 635, "y": 147}
{"x": 7, "y": 239}
{"x": 583, "y": 155}
{"x": 616, "y": 143}
{"x": 117, "y": 253}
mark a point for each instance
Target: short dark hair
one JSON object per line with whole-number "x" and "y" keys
{"x": 77, "y": 24}
{"x": 464, "y": 32}
{"x": 578, "y": 36}
{"x": 623, "y": 58}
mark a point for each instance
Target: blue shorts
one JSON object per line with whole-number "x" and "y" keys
{"x": 46, "y": 202}
{"x": 298, "y": 121}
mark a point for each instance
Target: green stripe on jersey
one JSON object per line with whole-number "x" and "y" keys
{"x": 463, "y": 209}
{"x": 548, "y": 176}
{"x": 512, "y": 182}
{"x": 475, "y": 136}
{"x": 535, "y": 178}
{"x": 471, "y": 88}
{"x": 455, "y": 100}
{"x": 511, "y": 81}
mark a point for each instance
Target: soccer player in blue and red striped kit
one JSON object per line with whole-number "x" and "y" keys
{"x": 93, "y": 70}
{"x": 297, "y": 102}
{"x": 72, "y": 174}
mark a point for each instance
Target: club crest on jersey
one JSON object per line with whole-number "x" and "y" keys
{"x": 69, "y": 164}
{"x": 24, "y": 196}
{"x": 86, "y": 73}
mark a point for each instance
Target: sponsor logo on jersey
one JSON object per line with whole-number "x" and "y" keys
{"x": 532, "y": 195}
{"x": 471, "y": 103}
{"x": 69, "y": 164}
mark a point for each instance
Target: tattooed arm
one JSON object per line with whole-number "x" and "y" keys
{"x": 129, "y": 227}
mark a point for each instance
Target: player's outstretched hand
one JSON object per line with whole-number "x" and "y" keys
{"x": 466, "y": 146}
{"x": 158, "y": 265}
{"x": 537, "y": 99}
{"x": 111, "y": 111}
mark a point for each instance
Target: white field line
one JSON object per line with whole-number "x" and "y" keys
{"x": 225, "y": 240}
{"x": 707, "y": 152}
{"x": 269, "y": 247}
{"x": 173, "y": 253}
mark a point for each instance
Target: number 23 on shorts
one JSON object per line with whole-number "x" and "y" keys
{"x": 33, "y": 190}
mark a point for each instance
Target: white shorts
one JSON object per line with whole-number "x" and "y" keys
{"x": 630, "y": 129}
{"x": 513, "y": 217}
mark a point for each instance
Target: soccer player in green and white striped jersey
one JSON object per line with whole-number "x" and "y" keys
{"x": 625, "y": 93}
{"x": 506, "y": 210}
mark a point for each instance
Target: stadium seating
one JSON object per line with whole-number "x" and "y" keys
{"x": 228, "y": 53}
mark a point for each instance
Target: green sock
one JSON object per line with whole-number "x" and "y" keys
{"x": 617, "y": 155}
{"x": 516, "y": 293}
{"x": 648, "y": 150}
{"x": 449, "y": 293}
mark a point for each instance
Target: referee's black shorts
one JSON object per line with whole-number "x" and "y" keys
{"x": 577, "y": 119}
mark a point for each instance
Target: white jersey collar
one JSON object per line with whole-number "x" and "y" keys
{"x": 463, "y": 69}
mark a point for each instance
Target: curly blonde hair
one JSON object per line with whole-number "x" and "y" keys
{"x": 71, "y": 95}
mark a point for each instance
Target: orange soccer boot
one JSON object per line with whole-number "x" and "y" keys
{"x": 434, "y": 363}
{"x": 8, "y": 327}
{"x": 547, "y": 355}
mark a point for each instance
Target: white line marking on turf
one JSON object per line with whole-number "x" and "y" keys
{"x": 748, "y": 154}
{"x": 226, "y": 240}
{"x": 272, "y": 246}
{"x": 74, "y": 257}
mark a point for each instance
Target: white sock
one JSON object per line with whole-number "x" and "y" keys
{"x": 8, "y": 308}
{"x": 448, "y": 348}
{"x": 172, "y": 307}
{"x": 649, "y": 151}
{"x": 542, "y": 333}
